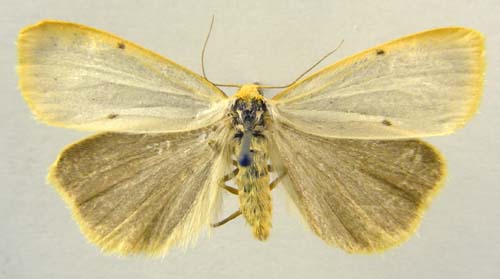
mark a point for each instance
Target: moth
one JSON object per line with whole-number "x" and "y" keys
{"x": 343, "y": 142}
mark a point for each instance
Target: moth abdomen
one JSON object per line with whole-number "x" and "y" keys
{"x": 256, "y": 205}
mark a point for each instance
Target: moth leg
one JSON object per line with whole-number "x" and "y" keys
{"x": 270, "y": 168}
{"x": 277, "y": 180}
{"x": 214, "y": 145}
{"x": 227, "y": 219}
{"x": 230, "y": 189}
{"x": 228, "y": 177}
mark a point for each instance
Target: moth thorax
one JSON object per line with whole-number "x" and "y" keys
{"x": 248, "y": 110}
{"x": 248, "y": 115}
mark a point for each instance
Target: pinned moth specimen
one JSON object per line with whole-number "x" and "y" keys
{"x": 343, "y": 142}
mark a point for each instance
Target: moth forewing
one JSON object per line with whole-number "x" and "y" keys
{"x": 82, "y": 78}
{"x": 425, "y": 84}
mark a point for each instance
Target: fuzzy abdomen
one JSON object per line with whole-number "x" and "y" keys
{"x": 255, "y": 204}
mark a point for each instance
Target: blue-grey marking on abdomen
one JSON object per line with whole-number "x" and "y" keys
{"x": 245, "y": 157}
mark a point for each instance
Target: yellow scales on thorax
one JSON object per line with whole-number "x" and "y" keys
{"x": 249, "y": 118}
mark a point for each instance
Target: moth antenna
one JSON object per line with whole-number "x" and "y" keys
{"x": 205, "y": 48}
{"x": 203, "y": 57}
{"x": 263, "y": 86}
{"x": 306, "y": 71}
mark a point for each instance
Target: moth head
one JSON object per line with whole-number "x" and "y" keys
{"x": 248, "y": 109}
{"x": 248, "y": 92}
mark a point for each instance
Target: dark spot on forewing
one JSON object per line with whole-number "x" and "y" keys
{"x": 380, "y": 52}
{"x": 386, "y": 122}
{"x": 120, "y": 45}
{"x": 112, "y": 116}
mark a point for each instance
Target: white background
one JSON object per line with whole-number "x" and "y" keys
{"x": 270, "y": 42}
